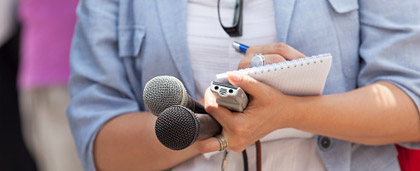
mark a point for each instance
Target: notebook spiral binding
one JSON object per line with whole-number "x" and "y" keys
{"x": 288, "y": 64}
{"x": 279, "y": 67}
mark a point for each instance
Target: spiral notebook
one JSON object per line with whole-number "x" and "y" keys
{"x": 300, "y": 77}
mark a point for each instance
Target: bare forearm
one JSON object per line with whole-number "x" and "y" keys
{"x": 377, "y": 114}
{"x": 128, "y": 142}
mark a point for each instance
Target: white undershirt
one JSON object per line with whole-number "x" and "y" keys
{"x": 211, "y": 53}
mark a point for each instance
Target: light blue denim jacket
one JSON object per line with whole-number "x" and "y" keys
{"x": 121, "y": 44}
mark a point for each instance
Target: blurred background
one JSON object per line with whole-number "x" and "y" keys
{"x": 35, "y": 38}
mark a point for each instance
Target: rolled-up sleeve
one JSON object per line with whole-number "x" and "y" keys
{"x": 98, "y": 85}
{"x": 390, "y": 46}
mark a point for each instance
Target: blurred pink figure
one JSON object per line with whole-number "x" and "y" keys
{"x": 47, "y": 30}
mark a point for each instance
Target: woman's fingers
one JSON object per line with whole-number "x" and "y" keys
{"x": 221, "y": 114}
{"x": 243, "y": 129}
{"x": 208, "y": 145}
{"x": 248, "y": 84}
{"x": 282, "y": 49}
{"x": 212, "y": 144}
{"x": 269, "y": 59}
{"x": 273, "y": 53}
{"x": 273, "y": 58}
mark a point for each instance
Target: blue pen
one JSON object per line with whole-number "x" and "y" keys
{"x": 239, "y": 47}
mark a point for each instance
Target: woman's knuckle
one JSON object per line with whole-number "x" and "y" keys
{"x": 279, "y": 59}
{"x": 281, "y": 45}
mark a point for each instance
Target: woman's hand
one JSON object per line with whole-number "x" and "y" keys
{"x": 266, "y": 112}
{"x": 262, "y": 114}
{"x": 273, "y": 53}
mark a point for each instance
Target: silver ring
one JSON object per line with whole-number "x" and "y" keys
{"x": 222, "y": 141}
{"x": 258, "y": 60}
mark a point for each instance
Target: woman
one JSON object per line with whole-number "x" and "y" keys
{"x": 370, "y": 99}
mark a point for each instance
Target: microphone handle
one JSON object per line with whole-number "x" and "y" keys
{"x": 198, "y": 108}
{"x": 195, "y": 106}
{"x": 208, "y": 126}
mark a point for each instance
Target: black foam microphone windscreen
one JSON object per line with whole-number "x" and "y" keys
{"x": 177, "y": 127}
{"x": 162, "y": 92}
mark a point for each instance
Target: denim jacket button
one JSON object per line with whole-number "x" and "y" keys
{"x": 324, "y": 143}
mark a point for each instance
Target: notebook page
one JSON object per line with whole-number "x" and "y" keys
{"x": 300, "y": 77}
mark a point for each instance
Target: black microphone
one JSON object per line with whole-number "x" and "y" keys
{"x": 177, "y": 127}
{"x": 162, "y": 92}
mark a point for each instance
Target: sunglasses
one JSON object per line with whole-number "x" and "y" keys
{"x": 233, "y": 29}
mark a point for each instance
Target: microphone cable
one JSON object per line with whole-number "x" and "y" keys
{"x": 258, "y": 151}
{"x": 245, "y": 159}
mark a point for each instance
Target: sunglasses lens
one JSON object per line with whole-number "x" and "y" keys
{"x": 229, "y": 12}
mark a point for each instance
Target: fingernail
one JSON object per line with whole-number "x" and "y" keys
{"x": 235, "y": 77}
